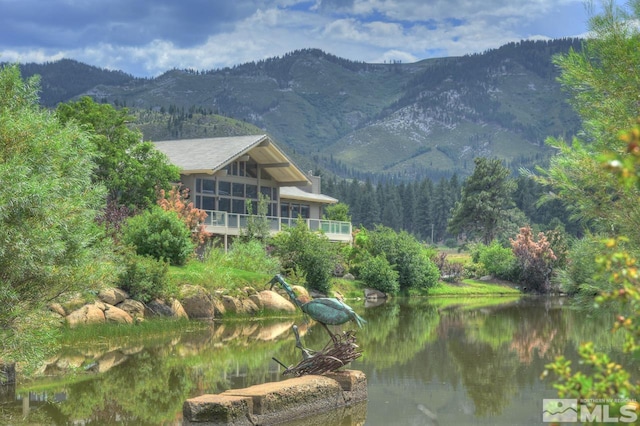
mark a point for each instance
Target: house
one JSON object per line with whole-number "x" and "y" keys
{"x": 222, "y": 174}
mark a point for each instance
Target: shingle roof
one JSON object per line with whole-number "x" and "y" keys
{"x": 208, "y": 155}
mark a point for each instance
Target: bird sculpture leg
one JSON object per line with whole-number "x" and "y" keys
{"x": 333, "y": 336}
{"x": 306, "y": 353}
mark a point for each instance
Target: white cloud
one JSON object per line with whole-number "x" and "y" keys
{"x": 249, "y": 30}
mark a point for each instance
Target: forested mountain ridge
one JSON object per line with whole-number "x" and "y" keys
{"x": 353, "y": 119}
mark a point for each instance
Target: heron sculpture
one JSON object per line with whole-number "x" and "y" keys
{"x": 325, "y": 310}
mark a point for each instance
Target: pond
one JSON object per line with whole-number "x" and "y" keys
{"x": 427, "y": 361}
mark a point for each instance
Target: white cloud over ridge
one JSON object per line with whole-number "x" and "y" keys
{"x": 148, "y": 37}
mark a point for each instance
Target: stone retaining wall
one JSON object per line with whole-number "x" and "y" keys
{"x": 278, "y": 402}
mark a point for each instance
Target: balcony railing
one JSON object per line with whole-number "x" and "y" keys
{"x": 232, "y": 223}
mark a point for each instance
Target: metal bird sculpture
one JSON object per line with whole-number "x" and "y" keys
{"x": 325, "y": 310}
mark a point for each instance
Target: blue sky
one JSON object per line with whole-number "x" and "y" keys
{"x": 148, "y": 37}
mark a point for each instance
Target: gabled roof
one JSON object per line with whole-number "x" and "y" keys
{"x": 208, "y": 155}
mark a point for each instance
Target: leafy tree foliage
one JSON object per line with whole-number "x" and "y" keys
{"x": 405, "y": 253}
{"x": 338, "y": 211}
{"x": 602, "y": 81}
{"x": 378, "y": 274}
{"x": 131, "y": 169}
{"x": 50, "y": 244}
{"x": 144, "y": 277}
{"x": 176, "y": 200}
{"x": 486, "y": 198}
{"x": 597, "y": 82}
{"x": 535, "y": 258}
{"x": 258, "y": 227}
{"x": 160, "y": 234}
{"x": 496, "y": 260}
{"x": 312, "y": 254}
{"x": 579, "y": 276}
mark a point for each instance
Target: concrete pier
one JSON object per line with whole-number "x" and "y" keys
{"x": 278, "y": 402}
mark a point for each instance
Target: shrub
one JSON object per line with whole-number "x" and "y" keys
{"x": 411, "y": 259}
{"x": 378, "y": 274}
{"x": 535, "y": 260}
{"x": 144, "y": 277}
{"x": 299, "y": 249}
{"x": 497, "y": 260}
{"x": 160, "y": 234}
{"x": 251, "y": 256}
{"x": 578, "y": 276}
{"x": 176, "y": 200}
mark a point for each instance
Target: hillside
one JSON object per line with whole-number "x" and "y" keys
{"x": 406, "y": 121}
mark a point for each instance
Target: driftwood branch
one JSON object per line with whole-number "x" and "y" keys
{"x": 334, "y": 355}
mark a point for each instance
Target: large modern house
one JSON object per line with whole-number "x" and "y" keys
{"x": 222, "y": 174}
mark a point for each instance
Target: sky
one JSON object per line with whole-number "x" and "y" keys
{"x": 145, "y": 38}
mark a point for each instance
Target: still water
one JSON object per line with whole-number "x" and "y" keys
{"x": 428, "y": 362}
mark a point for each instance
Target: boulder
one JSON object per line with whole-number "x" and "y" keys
{"x": 255, "y": 298}
{"x": 114, "y": 314}
{"x": 157, "y": 308}
{"x": 232, "y": 304}
{"x": 249, "y": 307}
{"x": 57, "y": 308}
{"x": 134, "y": 308}
{"x": 178, "y": 309}
{"x": 197, "y": 302}
{"x": 301, "y": 292}
{"x": 373, "y": 294}
{"x": 112, "y": 296}
{"x": 88, "y": 314}
{"x": 272, "y": 301}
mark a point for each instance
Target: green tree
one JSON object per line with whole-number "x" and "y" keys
{"x": 407, "y": 256}
{"x": 603, "y": 85}
{"x": 595, "y": 81}
{"x": 486, "y": 199}
{"x": 160, "y": 234}
{"x": 258, "y": 227}
{"x": 312, "y": 254}
{"x": 338, "y": 211}
{"x": 425, "y": 226}
{"x": 132, "y": 170}
{"x": 369, "y": 208}
{"x": 50, "y": 243}
{"x": 376, "y": 272}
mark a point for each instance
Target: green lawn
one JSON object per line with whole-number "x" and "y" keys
{"x": 470, "y": 288}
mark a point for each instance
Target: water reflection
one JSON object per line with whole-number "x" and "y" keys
{"x": 427, "y": 362}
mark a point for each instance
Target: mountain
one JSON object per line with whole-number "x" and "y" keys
{"x": 65, "y": 79}
{"x": 354, "y": 119}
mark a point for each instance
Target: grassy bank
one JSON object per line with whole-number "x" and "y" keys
{"x": 472, "y": 288}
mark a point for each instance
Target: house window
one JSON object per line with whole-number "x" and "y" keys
{"x": 205, "y": 186}
{"x": 237, "y": 206}
{"x": 224, "y": 204}
{"x": 238, "y": 190}
{"x": 294, "y": 210}
{"x": 252, "y": 191}
{"x": 270, "y": 192}
{"x": 224, "y": 188}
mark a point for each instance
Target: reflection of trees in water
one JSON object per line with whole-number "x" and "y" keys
{"x": 145, "y": 389}
{"x": 491, "y": 345}
{"x": 395, "y": 333}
